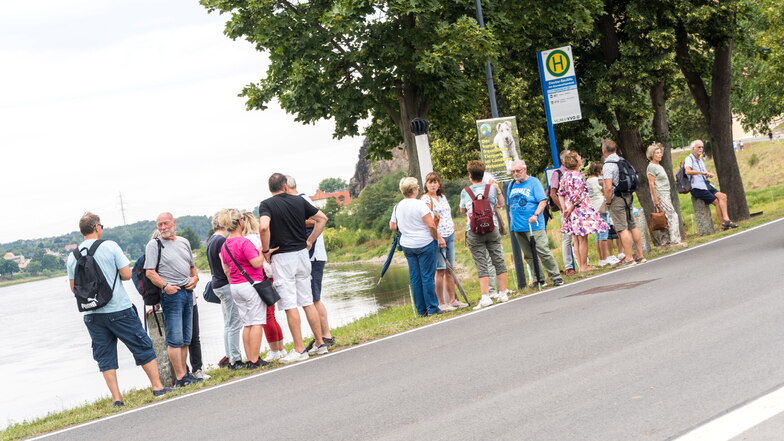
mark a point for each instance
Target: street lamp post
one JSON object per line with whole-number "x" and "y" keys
{"x": 518, "y": 259}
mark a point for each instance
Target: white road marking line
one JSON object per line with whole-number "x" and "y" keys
{"x": 739, "y": 420}
{"x": 353, "y": 348}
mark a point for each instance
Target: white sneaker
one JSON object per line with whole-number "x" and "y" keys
{"x": 318, "y": 350}
{"x": 603, "y": 263}
{"x": 621, "y": 256}
{"x": 502, "y": 297}
{"x": 446, "y": 307}
{"x": 485, "y": 302}
{"x": 274, "y": 355}
{"x": 458, "y": 304}
{"x": 294, "y": 357}
{"x": 201, "y": 375}
{"x": 612, "y": 260}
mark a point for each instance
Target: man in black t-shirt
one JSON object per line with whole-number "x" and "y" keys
{"x": 285, "y": 245}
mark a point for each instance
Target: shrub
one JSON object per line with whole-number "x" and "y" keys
{"x": 753, "y": 160}
{"x": 362, "y": 236}
{"x": 332, "y": 238}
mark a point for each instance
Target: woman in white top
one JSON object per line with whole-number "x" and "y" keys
{"x": 659, "y": 184}
{"x": 596, "y": 193}
{"x": 436, "y": 201}
{"x": 420, "y": 241}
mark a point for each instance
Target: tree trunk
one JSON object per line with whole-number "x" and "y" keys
{"x": 661, "y": 130}
{"x": 718, "y": 116}
{"x": 721, "y": 134}
{"x": 409, "y": 111}
{"x": 630, "y": 143}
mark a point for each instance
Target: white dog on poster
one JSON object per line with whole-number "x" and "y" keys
{"x": 505, "y": 141}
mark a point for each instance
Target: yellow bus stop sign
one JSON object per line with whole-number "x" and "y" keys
{"x": 557, "y": 63}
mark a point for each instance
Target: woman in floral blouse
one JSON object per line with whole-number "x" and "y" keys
{"x": 579, "y": 217}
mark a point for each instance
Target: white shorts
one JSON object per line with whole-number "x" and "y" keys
{"x": 251, "y": 309}
{"x": 291, "y": 272}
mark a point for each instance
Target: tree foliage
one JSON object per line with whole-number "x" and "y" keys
{"x": 758, "y": 74}
{"x": 132, "y": 238}
{"x": 8, "y": 267}
{"x": 331, "y": 185}
{"x": 384, "y": 61}
{"x": 192, "y": 237}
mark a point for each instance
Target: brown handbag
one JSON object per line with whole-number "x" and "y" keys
{"x": 436, "y": 217}
{"x": 658, "y": 220}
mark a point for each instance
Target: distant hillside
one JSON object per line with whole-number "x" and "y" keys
{"x": 131, "y": 238}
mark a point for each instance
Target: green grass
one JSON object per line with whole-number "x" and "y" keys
{"x": 396, "y": 319}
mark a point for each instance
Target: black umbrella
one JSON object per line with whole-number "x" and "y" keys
{"x": 395, "y": 244}
{"x": 537, "y": 270}
{"x": 454, "y": 275}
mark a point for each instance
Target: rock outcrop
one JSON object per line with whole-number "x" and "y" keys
{"x": 367, "y": 171}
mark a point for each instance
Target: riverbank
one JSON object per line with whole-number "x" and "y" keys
{"x": 386, "y": 322}
{"x": 4, "y": 283}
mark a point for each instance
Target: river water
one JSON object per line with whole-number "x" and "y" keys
{"x": 46, "y": 362}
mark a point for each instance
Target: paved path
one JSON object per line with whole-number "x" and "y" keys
{"x": 645, "y": 353}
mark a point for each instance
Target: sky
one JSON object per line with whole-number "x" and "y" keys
{"x": 138, "y": 97}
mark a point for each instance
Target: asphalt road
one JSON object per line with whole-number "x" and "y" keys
{"x": 645, "y": 353}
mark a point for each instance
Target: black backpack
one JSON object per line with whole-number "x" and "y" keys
{"x": 682, "y": 180}
{"x": 90, "y": 287}
{"x": 627, "y": 177}
{"x": 150, "y": 292}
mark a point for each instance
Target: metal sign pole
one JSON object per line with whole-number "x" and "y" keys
{"x": 550, "y": 128}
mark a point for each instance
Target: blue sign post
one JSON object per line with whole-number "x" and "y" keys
{"x": 559, "y": 88}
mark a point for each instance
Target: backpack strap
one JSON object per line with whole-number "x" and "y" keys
{"x": 160, "y": 247}
{"x": 470, "y": 192}
{"x": 487, "y": 191}
{"x": 94, "y": 247}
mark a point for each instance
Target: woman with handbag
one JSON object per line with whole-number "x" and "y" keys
{"x": 272, "y": 330}
{"x": 420, "y": 242}
{"x": 659, "y": 184}
{"x": 579, "y": 217}
{"x": 436, "y": 201}
{"x": 243, "y": 261}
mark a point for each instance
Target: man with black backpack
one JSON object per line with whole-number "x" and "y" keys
{"x": 479, "y": 201}
{"x": 619, "y": 198}
{"x": 96, "y": 270}
{"x": 701, "y": 188}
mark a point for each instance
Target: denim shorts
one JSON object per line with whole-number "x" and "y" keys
{"x": 178, "y": 317}
{"x": 450, "y": 253}
{"x": 106, "y": 329}
{"x": 707, "y": 196}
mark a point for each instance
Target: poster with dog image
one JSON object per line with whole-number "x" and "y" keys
{"x": 498, "y": 142}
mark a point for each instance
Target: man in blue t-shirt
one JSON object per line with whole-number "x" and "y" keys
{"x": 118, "y": 318}
{"x": 526, "y": 200}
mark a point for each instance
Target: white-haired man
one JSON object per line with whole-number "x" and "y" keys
{"x": 527, "y": 200}
{"x": 318, "y": 260}
{"x": 702, "y": 189}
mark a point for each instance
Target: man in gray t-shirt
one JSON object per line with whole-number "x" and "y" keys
{"x": 176, "y": 276}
